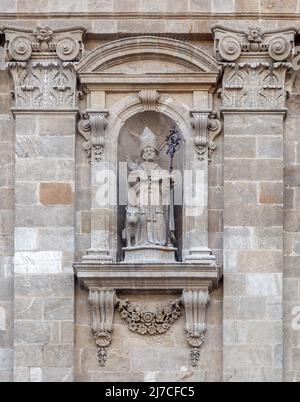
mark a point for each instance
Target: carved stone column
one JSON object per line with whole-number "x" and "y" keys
{"x": 206, "y": 127}
{"x": 102, "y": 302}
{"x": 195, "y": 304}
{"x": 92, "y": 127}
{"x": 256, "y": 65}
{"x": 42, "y": 67}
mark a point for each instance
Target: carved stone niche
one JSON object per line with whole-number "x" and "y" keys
{"x": 104, "y": 282}
{"x": 146, "y": 249}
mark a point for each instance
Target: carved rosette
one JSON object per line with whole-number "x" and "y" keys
{"x": 41, "y": 63}
{"x": 206, "y": 128}
{"x": 255, "y": 66}
{"x": 102, "y": 302}
{"x": 91, "y": 127}
{"x": 195, "y": 303}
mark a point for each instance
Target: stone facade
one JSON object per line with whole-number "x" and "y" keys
{"x": 79, "y": 83}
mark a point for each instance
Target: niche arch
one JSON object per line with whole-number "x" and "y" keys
{"x": 123, "y": 111}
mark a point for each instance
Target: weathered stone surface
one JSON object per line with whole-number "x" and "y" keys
{"x": 53, "y": 285}
{"x": 57, "y": 374}
{"x": 264, "y": 284}
{"x": 56, "y": 194}
{"x": 28, "y": 308}
{"x": 29, "y": 355}
{"x": 58, "y": 309}
{"x": 58, "y": 355}
{"x": 38, "y": 262}
{"x": 271, "y": 193}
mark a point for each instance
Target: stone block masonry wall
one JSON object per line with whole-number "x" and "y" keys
{"x": 253, "y": 246}
{"x": 291, "y": 288}
{"x": 6, "y": 229}
{"x": 44, "y": 246}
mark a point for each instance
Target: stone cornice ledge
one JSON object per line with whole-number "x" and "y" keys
{"x": 19, "y": 110}
{"x": 120, "y": 276}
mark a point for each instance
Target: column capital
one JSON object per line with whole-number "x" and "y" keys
{"x": 43, "y": 43}
{"x": 233, "y": 45}
{"x": 256, "y": 63}
{"x": 42, "y": 65}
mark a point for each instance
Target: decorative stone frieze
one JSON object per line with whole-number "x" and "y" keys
{"x": 206, "y": 127}
{"x": 195, "y": 303}
{"x": 256, "y": 64}
{"x": 41, "y": 63}
{"x": 92, "y": 127}
{"x": 102, "y": 303}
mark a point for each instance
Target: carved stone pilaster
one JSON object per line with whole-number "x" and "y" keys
{"x": 149, "y": 99}
{"x": 92, "y": 127}
{"x": 256, "y": 64}
{"x": 195, "y": 303}
{"x": 206, "y": 127}
{"x": 102, "y": 303}
{"x": 41, "y": 63}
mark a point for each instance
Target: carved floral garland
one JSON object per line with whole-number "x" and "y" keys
{"x": 148, "y": 323}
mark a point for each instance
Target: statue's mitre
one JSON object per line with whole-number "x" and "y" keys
{"x": 148, "y": 139}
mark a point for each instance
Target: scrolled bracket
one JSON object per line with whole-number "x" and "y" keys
{"x": 195, "y": 303}
{"x": 102, "y": 302}
{"x": 214, "y": 130}
{"x": 91, "y": 127}
{"x": 206, "y": 127}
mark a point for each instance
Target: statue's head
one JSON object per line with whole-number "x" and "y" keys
{"x": 149, "y": 154}
{"x": 149, "y": 149}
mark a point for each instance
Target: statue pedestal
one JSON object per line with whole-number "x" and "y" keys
{"x": 149, "y": 254}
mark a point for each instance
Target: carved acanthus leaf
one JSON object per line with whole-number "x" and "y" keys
{"x": 44, "y": 84}
{"x": 255, "y": 66}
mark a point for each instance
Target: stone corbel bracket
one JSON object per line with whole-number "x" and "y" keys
{"x": 92, "y": 127}
{"x": 102, "y": 302}
{"x": 195, "y": 303}
{"x": 207, "y": 128}
{"x": 103, "y": 281}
